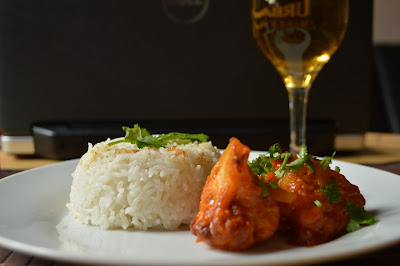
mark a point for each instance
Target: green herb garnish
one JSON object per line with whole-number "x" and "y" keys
{"x": 262, "y": 164}
{"x": 303, "y": 154}
{"x": 274, "y": 151}
{"x": 358, "y": 217}
{"x": 326, "y": 161}
{"x": 264, "y": 189}
{"x": 304, "y": 158}
{"x": 273, "y": 184}
{"x": 318, "y": 203}
{"x": 331, "y": 192}
{"x": 284, "y": 166}
{"x": 352, "y": 226}
{"x": 142, "y": 138}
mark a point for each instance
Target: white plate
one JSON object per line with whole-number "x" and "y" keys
{"x": 34, "y": 220}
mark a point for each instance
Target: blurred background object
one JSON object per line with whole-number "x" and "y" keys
{"x": 299, "y": 43}
{"x": 386, "y": 38}
{"x": 75, "y": 71}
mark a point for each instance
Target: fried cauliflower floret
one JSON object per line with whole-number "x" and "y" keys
{"x": 315, "y": 210}
{"x": 234, "y": 214}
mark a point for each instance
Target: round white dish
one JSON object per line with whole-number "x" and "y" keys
{"x": 35, "y": 221}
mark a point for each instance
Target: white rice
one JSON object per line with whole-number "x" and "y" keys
{"x": 122, "y": 186}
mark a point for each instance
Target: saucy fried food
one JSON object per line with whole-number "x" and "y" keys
{"x": 233, "y": 213}
{"x": 313, "y": 210}
{"x": 244, "y": 203}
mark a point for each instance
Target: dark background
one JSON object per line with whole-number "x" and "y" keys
{"x": 108, "y": 61}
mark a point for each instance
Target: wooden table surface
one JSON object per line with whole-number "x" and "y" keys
{"x": 382, "y": 150}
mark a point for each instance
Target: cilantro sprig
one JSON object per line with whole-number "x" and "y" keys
{"x": 142, "y": 138}
{"x": 303, "y": 158}
{"x": 326, "y": 161}
{"x": 264, "y": 189}
{"x": 358, "y": 217}
{"x": 261, "y": 166}
{"x": 332, "y": 192}
{"x": 318, "y": 203}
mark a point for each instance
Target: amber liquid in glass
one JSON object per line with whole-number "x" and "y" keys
{"x": 299, "y": 38}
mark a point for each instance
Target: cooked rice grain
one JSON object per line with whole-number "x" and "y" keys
{"x": 122, "y": 186}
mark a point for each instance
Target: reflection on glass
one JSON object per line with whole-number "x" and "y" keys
{"x": 299, "y": 38}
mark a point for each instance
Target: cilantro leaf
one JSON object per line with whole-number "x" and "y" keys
{"x": 358, "y": 217}
{"x": 284, "y": 167}
{"x": 307, "y": 158}
{"x": 331, "y": 192}
{"x": 352, "y": 226}
{"x": 273, "y": 184}
{"x": 261, "y": 165}
{"x": 132, "y": 135}
{"x": 182, "y": 138}
{"x": 149, "y": 141}
{"x": 304, "y": 158}
{"x": 142, "y": 138}
{"x": 264, "y": 189}
{"x": 296, "y": 164}
{"x": 256, "y": 165}
{"x": 318, "y": 203}
{"x": 326, "y": 161}
{"x": 275, "y": 150}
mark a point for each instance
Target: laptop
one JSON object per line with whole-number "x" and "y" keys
{"x": 74, "y": 72}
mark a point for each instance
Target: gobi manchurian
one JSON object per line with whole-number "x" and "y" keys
{"x": 244, "y": 203}
{"x": 233, "y": 213}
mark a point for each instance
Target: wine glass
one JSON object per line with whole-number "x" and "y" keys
{"x": 299, "y": 37}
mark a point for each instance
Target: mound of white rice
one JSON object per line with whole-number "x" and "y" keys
{"x": 122, "y": 186}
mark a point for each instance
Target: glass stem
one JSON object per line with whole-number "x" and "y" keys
{"x": 298, "y": 98}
